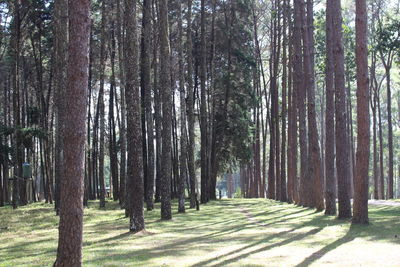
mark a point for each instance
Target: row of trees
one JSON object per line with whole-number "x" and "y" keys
{"x": 215, "y": 86}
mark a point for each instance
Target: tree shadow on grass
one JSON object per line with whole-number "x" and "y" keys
{"x": 239, "y": 254}
{"x": 353, "y": 232}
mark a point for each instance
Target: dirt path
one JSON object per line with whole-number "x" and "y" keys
{"x": 384, "y": 203}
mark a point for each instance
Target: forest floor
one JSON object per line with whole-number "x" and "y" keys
{"x": 238, "y": 232}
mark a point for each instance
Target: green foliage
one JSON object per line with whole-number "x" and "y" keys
{"x": 26, "y": 134}
{"x": 233, "y": 86}
{"x": 238, "y": 193}
{"x": 388, "y": 36}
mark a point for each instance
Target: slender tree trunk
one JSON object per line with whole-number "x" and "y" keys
{"x": 390, "y": 184}
{"x": 381, "y": 166}
{"x": 120, "y": 39}
{"x": 190, "y": 104}
{"x": 330, "y": 181}
{"x": 183, "y": 139}
{"x": 292, "y": 132}
{"x": 16, "y": 39}
{"x": 283, "y": 196}
{"x": 299, "y": 89}
{"x": 111, "y": 118}
{"x": 375, "y": 150}
{"x": 203, "y": 110}
{"x": 360, "y": 214}
{"x": 61, "y": 19}
{"x": 157, "y": 105}
{"x": 166, "y": 96}
{"x": 342, "y": 147}
{"x": 275, "y": 100}
{"x": 146, "y": 86}
{"x": 314, "y": 150}
{"x": 101, "y": 105}
{"x": 69, "y": 252}
{"x": 134, "y": 179}
{"x": 272, "y": 174}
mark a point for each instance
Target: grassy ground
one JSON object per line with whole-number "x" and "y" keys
{"x": 224, "y": 233}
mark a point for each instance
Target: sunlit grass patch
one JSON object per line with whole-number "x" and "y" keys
{"x": 249, "y": 232}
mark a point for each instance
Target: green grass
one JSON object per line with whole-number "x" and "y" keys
{"x": 238, "y": 232}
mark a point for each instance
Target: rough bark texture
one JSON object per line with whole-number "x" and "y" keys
{"x": 122, "y": 133}
{"x": 111, "y": 119}
{"x": 71, "y": 205}
{"x": 101, "y": 105}
{"x": 183, "y": 139}
{"x": 134, "y": 179}
{"x": 330, "y": 184}
{"x": 292, "y": 132}
{"x": 146, "y": 86}
{"x": 390, "y": 133}
{"x": 315, "y": 171}
{"x": 61, "y": 46}
{"x": 298, "y": 87}
{"x": 15, "y": 44}
{"x": 360, "y": 214}
{"x": 190, "y": 104}
{"x": 341, "y": 133}
{"x": 203, "y": 110}
{"x": 166, "y": 96}
{"x": 283, "y": 195}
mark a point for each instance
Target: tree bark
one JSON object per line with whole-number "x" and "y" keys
{"x": 183, "y": 139}
{"x": 120, "y": 31}
{"x": 315, "y": 165}
{"x": 69, "y": 252}
{"x": 203, "y": 110}
{"x": 134, "y": 182}
{"x": 360, "y": 214}
{"x": 61, "y": 32}
{"x": 166, "y": 96}
{"x": 330, "y": 181}
{"x": 111, "y": 118}
{"x": 299, "y": 89}
{"x": 146, "y": 86}
{"x": 342, "y": 147}
{"x": 101, "y": 105}
{"x": 190, "y": 104}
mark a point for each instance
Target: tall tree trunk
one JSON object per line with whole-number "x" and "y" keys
{"x": 283, "y": 196}
{"x": 299, "y": 88}
{"x": 157, "y": 104}
{"x": 166, "y": 96}
{"x": 203, "y": 109}
{"x": 16, "y": 43}
{"x": 101, "y": 105}
{"x": 330, "y": 181}
{"x": 342, "y": 147}
{"x": 375, "y": 150}
{"x": 212, "y": 151}
{"x": 315, "y": 170}
{"x": 190, "y": 104}
{"x": 381, "y": 166}
{"x": 69, "y": 252}
{"x": 134, "y": 182}
{"x": 272, "y": 173}
{"x": 120, "y": 39}
{"x": 146, "y": 86}
{"x": 360, "y": 214}
{"x": 61, "y": 30}
{"x": 111, "y": 120}
{"x": 183, "y": 139}
{"x": 292, "y": 131}
{"x": 390, "y": 184}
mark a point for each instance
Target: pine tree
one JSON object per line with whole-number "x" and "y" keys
{"x": 69, "y": 252}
